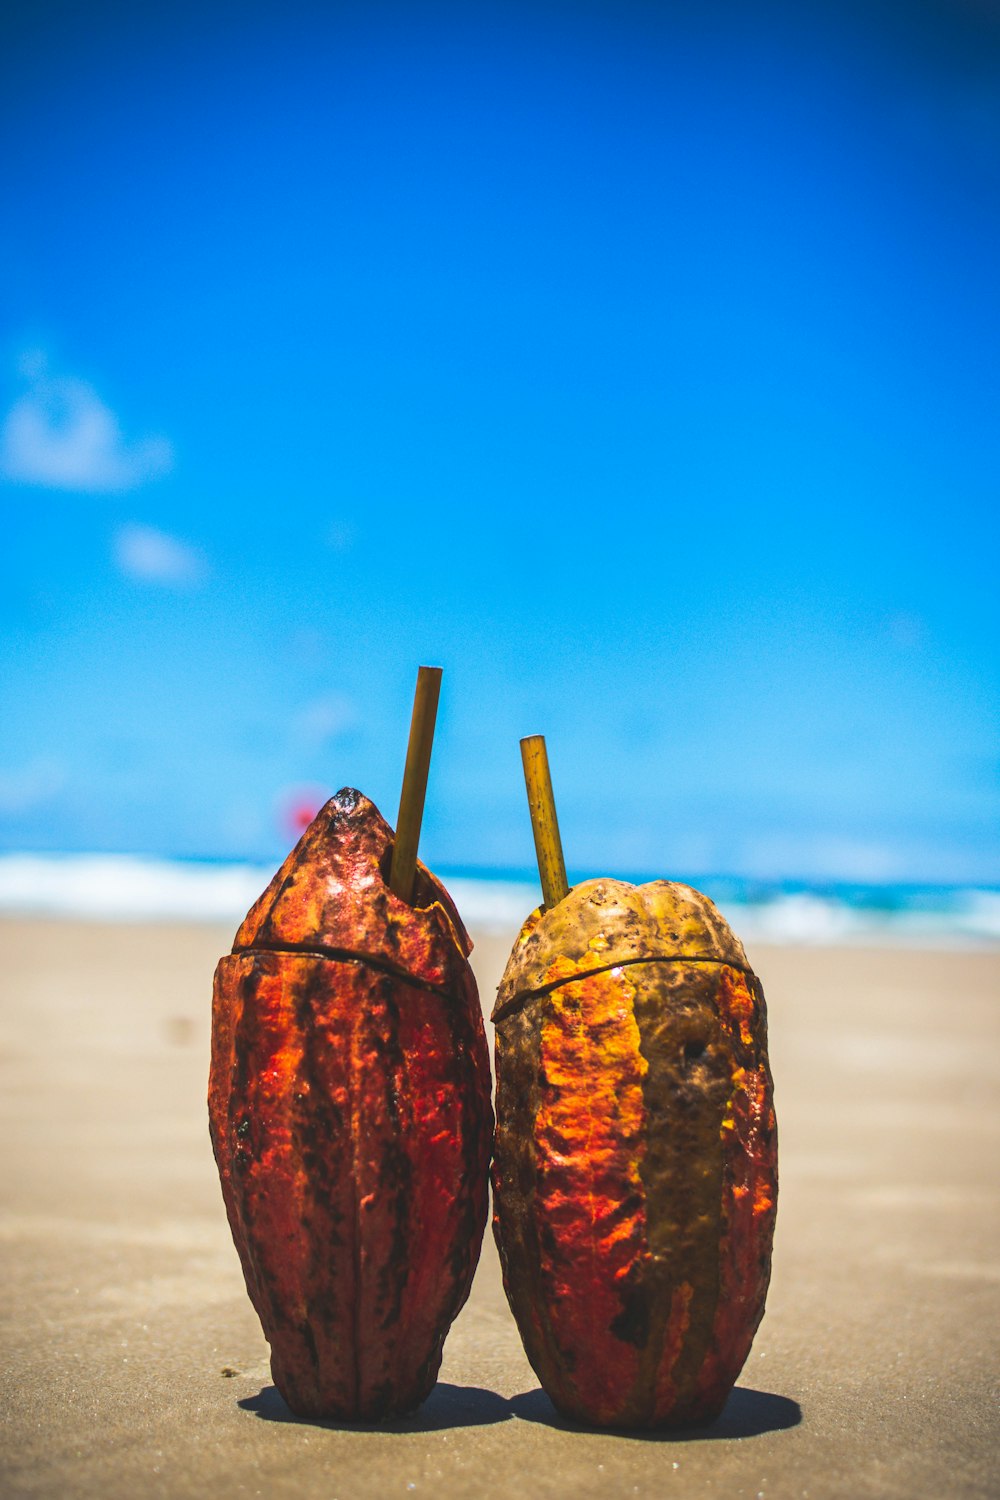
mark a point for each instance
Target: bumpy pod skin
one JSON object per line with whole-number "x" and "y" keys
{"x": 635, "y": 1159}
{"x": 349, "y": 1109}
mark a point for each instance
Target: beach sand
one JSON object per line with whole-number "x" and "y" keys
{"x": 134, "y": 1364}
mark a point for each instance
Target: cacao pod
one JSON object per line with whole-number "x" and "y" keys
{"x": 349, "y": 1107}
{"x": 635, "y": 1160}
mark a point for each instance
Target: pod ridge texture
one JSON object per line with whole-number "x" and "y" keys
{"x": 635, "y": 1163}
{"x": 349, "y": 1109}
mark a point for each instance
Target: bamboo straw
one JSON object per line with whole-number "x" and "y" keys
{"x": 544, "y": 824}
{"x": 411, "y": 799}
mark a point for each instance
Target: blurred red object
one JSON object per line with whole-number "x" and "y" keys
{"x": 298, "y": 806}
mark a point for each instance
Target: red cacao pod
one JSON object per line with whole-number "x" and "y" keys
{"x": 635, "y": 1160}
{"x": 349, "y": 1108}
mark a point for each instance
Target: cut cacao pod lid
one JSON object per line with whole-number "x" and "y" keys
{"x": 602, "y": 923}
{"x": 332, "y": 896}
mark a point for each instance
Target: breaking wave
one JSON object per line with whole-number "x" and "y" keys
{"x": 119, "y": 887}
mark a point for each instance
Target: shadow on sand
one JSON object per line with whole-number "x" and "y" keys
{"x": 747, "y": 1413}
{"x": 447, "y": 1406}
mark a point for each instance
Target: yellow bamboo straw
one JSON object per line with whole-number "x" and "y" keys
{"x": 411, "y": 799}
{"x": 544, "y": 824}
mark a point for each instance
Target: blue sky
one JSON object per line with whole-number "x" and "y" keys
{"x": 637, "y": 364}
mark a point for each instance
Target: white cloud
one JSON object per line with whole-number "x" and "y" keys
{"x": 30, "y": 786}
{"x": 60, "y": 434}
{"x": 906, "y": 630}
{"x": 821, "y": 856}
{"x": 341, "y": 535}
{"x": 151, "y": 556}
{"x": 325, "y": 719}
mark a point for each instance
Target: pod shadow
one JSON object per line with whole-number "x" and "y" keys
{"x": 446, "y": 1407}
{"x": 747, "y": 1413}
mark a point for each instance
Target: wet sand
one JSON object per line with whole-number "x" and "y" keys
{"x": 133, "y": 1363}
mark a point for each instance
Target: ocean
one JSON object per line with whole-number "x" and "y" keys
{"x": 133, "y": 888}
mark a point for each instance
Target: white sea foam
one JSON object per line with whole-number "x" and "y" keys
{"x": 962, "y": 918}
{"x": 119, "y": 887}
{"x": 493, "y": 905}
{"x": 125, "y": 887}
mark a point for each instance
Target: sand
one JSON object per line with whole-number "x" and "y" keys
{"x": 133, "y": 1364}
